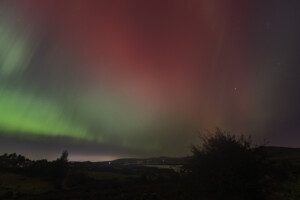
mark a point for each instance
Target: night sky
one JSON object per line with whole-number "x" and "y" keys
{"x": 123, "y": 78}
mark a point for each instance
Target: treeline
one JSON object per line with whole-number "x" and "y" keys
{"x": 20, "y": 164}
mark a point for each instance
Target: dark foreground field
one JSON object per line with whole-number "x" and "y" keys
{"x": 102, "y": 181}
{"x": 224, "y": 167}
{"x": 106, "y": 183}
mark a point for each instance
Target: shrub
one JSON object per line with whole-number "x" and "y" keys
{"x": 225, "y": 166}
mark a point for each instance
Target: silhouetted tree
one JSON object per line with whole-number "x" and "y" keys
{"x": 61, "y": 165}
{"x": 13, "y": 161}
{"x": 225, "y": 166}
{"x": 64, "y": 156}
{"x": 60, "y": 169}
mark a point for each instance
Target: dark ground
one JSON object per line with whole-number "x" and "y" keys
{"x": 118, "y": 180}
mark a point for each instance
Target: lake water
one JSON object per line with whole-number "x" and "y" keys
{"x": 176, "y": 168}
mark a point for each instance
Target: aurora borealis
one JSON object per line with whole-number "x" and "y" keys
{"x": 106, "y": 79}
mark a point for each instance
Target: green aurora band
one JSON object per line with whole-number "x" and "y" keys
{"x": 28, "y": 114}
{"x": 113, "y": 74}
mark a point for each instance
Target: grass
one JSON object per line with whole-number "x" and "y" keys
{"x": 104, "y": 184}
{"x": 107, "y": 176}
{"x": 15, "y": 183}
{"x": 297, "y": 190}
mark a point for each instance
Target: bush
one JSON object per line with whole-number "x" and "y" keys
{"x": 226, "y": 166}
